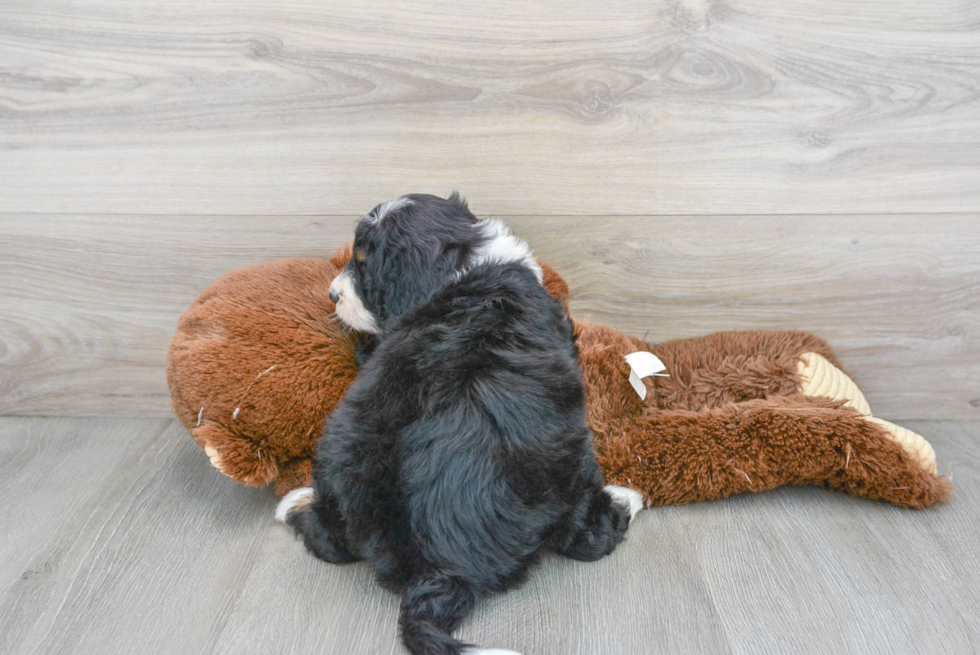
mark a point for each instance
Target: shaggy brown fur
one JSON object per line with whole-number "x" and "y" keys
{"x": 263, "y": 340}
{"x": 730, "y": 417}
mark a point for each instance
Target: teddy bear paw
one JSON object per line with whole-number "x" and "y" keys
{"x": 215, "y": 458}
{"x": 914, "y": 444}
{"x": 628, "y": 498}
{"x": 818, "y": 377}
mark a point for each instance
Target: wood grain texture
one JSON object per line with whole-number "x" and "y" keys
{"x": 139, "y": 546}
{"x": 90, "y": 302}
{"x": 560, "y": 108}
{"x": 855, "y": 576}
{"x": 130, "y": 542}
{"x": 898, "y": 297}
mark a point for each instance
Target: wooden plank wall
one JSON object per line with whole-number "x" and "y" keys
{"x": 90, "y": 301}
{"x": 688, "y": 166}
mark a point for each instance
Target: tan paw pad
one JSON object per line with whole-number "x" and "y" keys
{"x": 818, "y": 377}
{"x": 215, "y": 458}
{"x": 913, "y": 443}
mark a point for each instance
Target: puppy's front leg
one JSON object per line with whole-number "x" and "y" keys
{"x": 317, "y": 520}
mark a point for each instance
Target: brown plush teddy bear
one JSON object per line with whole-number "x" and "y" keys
{"x": 258, "y": 362}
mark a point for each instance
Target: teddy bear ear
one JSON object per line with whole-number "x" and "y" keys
{"x": 342, "y": 256}
{"x": 554, "y": 283}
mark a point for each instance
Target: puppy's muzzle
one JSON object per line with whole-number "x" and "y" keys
{"x": 336, "y": 288}
{"x": 349, "y": 307}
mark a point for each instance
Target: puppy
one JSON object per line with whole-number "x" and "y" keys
{"x": 461, "y": 450}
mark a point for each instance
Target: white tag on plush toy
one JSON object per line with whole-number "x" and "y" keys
{"x": 643, "y": 364}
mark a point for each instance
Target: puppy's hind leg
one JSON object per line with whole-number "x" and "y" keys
{"x": 599, "y": 522}
{"x": 317, "y": 520}
{"x": 631, "y": 499}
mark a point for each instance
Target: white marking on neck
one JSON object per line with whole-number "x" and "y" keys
{"x": 503, "y": 247}
{"x": 379, "y": 213}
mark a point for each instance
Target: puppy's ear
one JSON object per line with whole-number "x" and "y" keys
{"x": 459, "y": 203}
{"x": 416, "y": 274}
{"x": 424, "y": 245}
{"x": 452, "y": 258}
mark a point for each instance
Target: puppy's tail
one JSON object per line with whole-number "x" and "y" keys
{"x": 432, "y": 607}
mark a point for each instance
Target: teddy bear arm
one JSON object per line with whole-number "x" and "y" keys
{"x": 820, "y": 378}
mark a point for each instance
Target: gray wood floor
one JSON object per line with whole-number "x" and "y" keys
{"x": 118, "y": 537}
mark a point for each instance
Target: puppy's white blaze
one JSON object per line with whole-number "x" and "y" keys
{"x": 290, "y": 500}
{"x": 379, "y": 213}
{"x": 502, "y": 246}
{"x": 342, "y": 284}
{"x": 628, "y": 497}
{"x": 350, "y": 308}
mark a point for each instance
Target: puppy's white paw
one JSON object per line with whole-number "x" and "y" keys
{"x": 489, "y": 651}
{"x": 295, "y": 498}
{"x": 628, "y": 497}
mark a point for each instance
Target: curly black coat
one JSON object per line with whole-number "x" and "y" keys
{"x": 461, "y": 450}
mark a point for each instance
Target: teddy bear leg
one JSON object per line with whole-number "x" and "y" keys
{"x": 676, "y": 457}
{"x": 819, "y": 378}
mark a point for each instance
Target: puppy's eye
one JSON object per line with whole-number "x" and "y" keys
{"x": 359, "y": 256}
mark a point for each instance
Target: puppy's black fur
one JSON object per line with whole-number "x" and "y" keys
{"x": 461, "y": 450}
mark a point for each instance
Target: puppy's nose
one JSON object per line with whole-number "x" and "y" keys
{"x": 334, "y": 295}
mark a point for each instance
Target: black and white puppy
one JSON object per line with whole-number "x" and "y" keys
{"x": 461, "y": 450}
